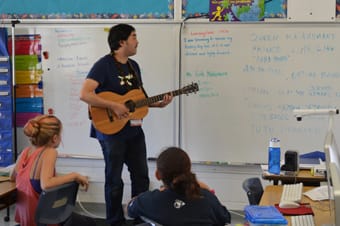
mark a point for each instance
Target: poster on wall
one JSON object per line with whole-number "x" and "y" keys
{"x": 275, "y": 8}
{"x": 86, "y": 9}
{"x": 236, "y": 10}
{"x": 194, "y": 8}
{"x": 199, "y": 8}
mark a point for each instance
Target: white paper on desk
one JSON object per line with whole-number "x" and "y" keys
{"x": 319, "y": 193}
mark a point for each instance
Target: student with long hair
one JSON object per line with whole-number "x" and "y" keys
{"x": 35, "y": 170}
{"x": 182, "y": 200}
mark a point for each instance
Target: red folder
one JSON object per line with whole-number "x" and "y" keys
{"x": 304, "y": 209}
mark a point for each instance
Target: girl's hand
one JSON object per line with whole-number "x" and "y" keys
{"x": 83, "y": 181}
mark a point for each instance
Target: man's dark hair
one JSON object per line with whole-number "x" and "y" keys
{"x": 120, "y": 32}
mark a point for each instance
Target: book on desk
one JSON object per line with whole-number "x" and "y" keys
{"x": 267, "y": 215}
{"x": 309, "y": 163}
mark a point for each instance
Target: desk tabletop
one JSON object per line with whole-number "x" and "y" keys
{"x": 304, "y": 176}
{"x": 272, "y": 195}
{"x": 4, "y": 178}
{"x": 6, "y": 188}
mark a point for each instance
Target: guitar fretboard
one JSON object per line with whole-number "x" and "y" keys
{"x": 154, "y": 99}
{"x": 184, "y": 90}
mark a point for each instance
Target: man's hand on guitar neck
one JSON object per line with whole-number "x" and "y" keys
{"x": 166, "y": 100}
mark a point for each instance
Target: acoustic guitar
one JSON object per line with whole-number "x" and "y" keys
{"x": 107, "y": 122}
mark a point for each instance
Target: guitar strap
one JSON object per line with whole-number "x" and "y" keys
{"x": 139, "y": 79}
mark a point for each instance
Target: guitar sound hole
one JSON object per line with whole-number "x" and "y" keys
{"x": 109, "y": 114}
{"x": 131, "y": 105}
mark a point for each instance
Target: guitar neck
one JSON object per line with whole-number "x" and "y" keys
{"x": 154, "y": 99}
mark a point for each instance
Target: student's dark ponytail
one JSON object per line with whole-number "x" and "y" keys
{"x": 174, "y": 165}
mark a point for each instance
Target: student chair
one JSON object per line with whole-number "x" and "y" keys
{"x": 148, "y": 222}
{"x": 253, "y": 188}
{"x": 56, "y": 205}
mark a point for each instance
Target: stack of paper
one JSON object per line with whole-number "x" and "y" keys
{"x": 320, "y": 193}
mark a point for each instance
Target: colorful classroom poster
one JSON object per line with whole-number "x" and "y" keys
{"x": 338, "y": 8}
{"x": 275, "y": 8}
{"x": 236, "y": 10}
{"x": 194, "y": 8}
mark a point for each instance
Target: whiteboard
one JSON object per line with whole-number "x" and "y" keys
{"x": 251, "y": 77}
{"x": 311, "y": 10}
{"x": 72, "y": 51}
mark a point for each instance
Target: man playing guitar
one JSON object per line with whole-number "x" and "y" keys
{"x": 118, "y": 74}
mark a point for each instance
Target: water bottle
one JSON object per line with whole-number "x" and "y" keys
{"x": 274, "y": 156}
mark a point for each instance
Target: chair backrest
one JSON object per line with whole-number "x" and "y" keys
{"x": 253, "y": 188}
{"x": 56, "y": 204}
{"x": 148, "y": 222}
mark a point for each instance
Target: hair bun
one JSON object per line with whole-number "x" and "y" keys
{"x": 31, "y": 129}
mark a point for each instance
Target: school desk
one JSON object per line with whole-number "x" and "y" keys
{"x": 272, "y": 195}
{"x": 304, "y": 176}
{"x": 7, "y": 196}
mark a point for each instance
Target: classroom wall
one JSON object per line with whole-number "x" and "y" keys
{"x": 62, "y": 80}
{"x": 227, "y": 179}
{"x": 243, "y": 100}
{"x": 250, "y": 76}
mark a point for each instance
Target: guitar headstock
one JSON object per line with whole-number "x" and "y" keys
{"x": 192, "y": 88}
